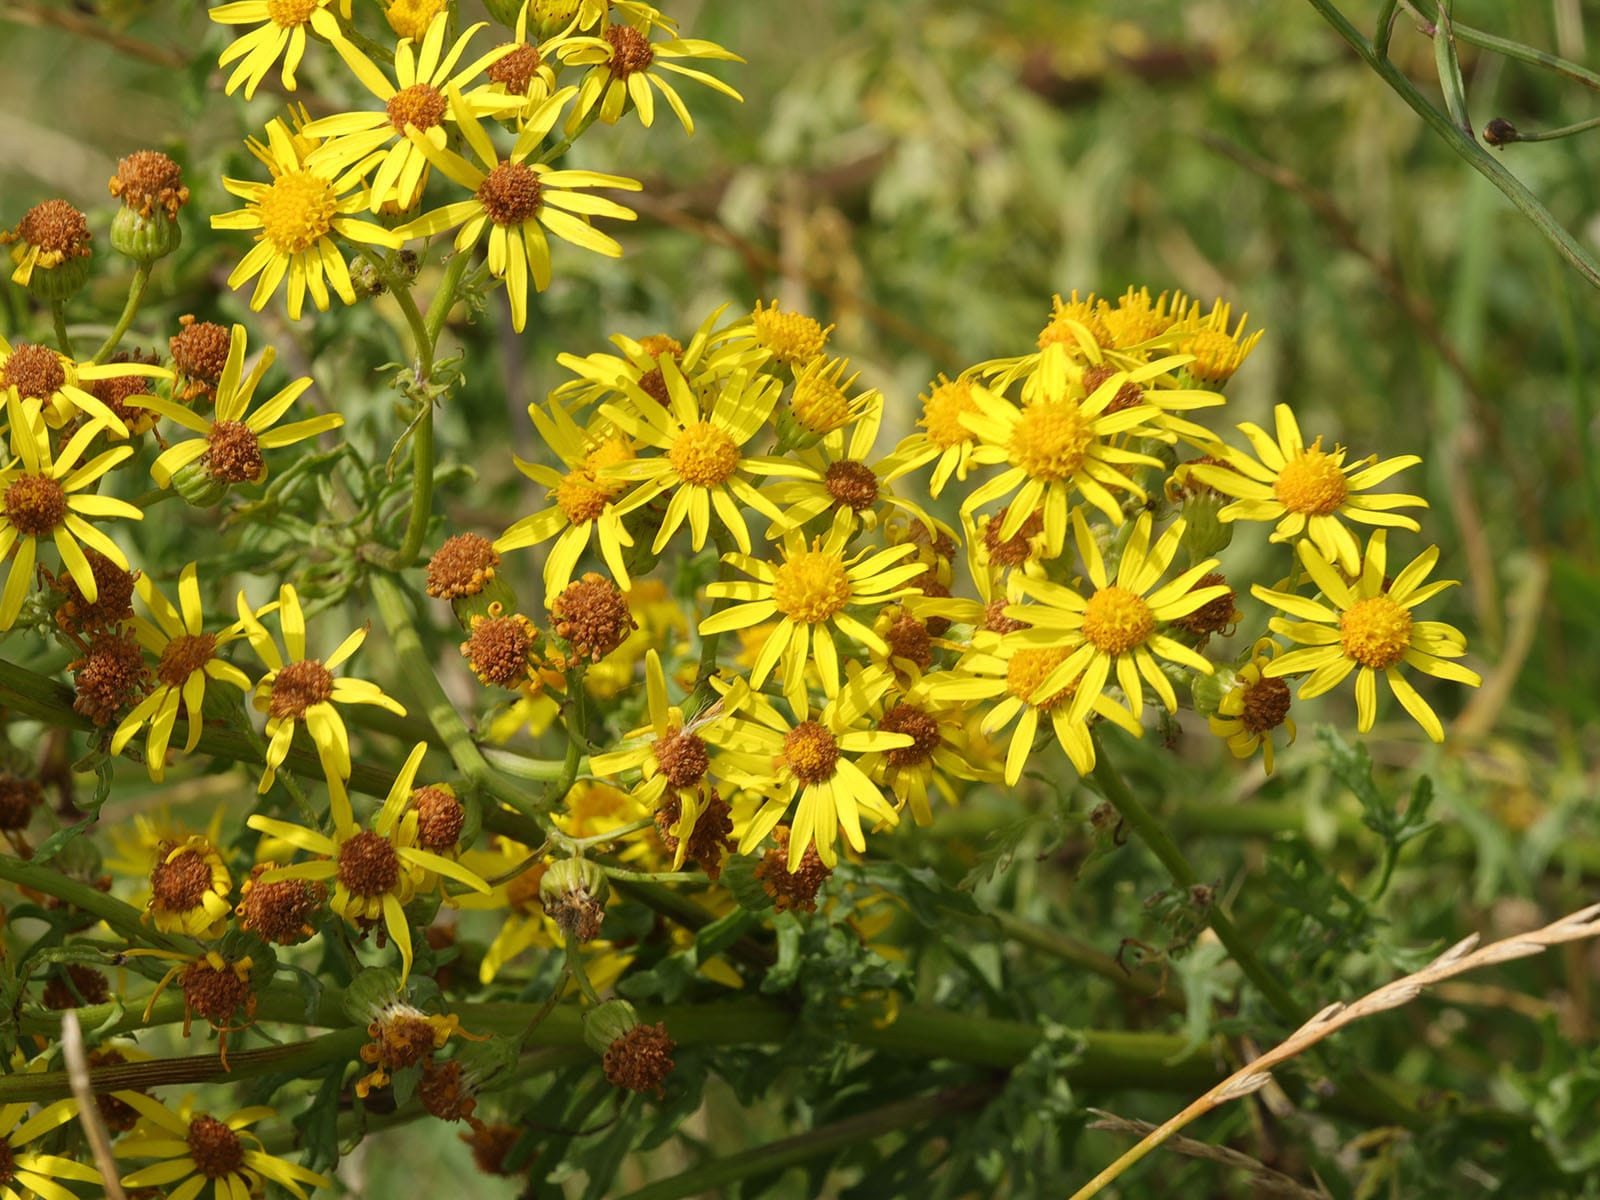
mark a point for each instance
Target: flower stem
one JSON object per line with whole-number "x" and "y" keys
{"x": 130, "y": 308}
{"x": 1463, "y": 144}
{"x": 58, "y": 314}
{"x": 1116, "y": 790}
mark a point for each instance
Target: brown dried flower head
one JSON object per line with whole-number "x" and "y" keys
{"x": 500, "y": 649}
{"x": 490, "y": 1144}
{"x": 56, "y": 229}
{"x": 641, "y": 1059}
{"x": 85, "y": 982}
{"x": 279, "y": 912}
{"x": 592, "y": 616}
{"x": 711, "y": 838}
{"x": 791, "y": 890}
{"x": 147, "y": 180}
{"x": 1215, "y": 616}
{"x": 19, "y": 798}
{"x": 111, "y": 677}
{"x": 440, "y": 818}
{"x": 461, "y": 566}
{"x": 199, "y": 352}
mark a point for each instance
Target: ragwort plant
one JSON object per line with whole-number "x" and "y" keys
{"x": 761, "y": 640}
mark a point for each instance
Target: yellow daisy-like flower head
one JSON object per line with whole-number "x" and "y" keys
{"x": 196, "y": 1150}
{"x": 377, "y": 871}
{"x": 945, "y": 440}
{"x": 31, "y": 1172}
{"x": 1217, "y": 351}
{"x": 280, "y": 32}
{"x": 300, "y": 690}
{"x": 583, "y": 508}
{"x": 295, "y": 219}
{"x": 810, "y": 764}
{"x": 1367, "y": 626}
{"x": 1055, "y": 446}
{"x": 46, "y": 494}
{"x": 672, "y": 752}
{"x": 603, "y": 377}
{"x": 189, "y": 889}
{"x": 1253, "y": 707}
{"x": 702, "y": 461}
{"x": 939, "y": 749}
{"x": 835, "y": 477}
{"x": 63, "y": 389}
{"x": 810, "y": 593}
{"x": 1118, "y": 627}
{"x": 624, "y": 64}
{"x": 524, "y": 74}
{"x": 516, "y": 200}
{"x": 1136, "y": 319}
{"x": 1307, "y": 490}
{"x": 186, "y": 658}
{"x": 411, "y": 19}
{"x": 426, "y": 75}
{"x": 232, "y": 440}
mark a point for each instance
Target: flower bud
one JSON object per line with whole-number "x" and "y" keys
{"x": 573, "y": 893}
{"x": 195, "y": 483}
{"x": 605, "y": 1023}
{"x": 144, "y": 239}
{"x": 1204, "y": 534}
{"x": 1208, "y": 690}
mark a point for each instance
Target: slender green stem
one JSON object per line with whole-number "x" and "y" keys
{"x": 651, "y": 876}
{"x": 1080, "y": 954}
{"x": 58, "y": 314}
{"x": 1527, "y": 54}
{"x": 1549, "y": 135}
{"x": 579, "y": 972}
{"x": 130, "y": 309}
{"x": 1154, "y": 835}
{"x": 1384, "y": 29}
{"x": 814, "y": 1143}
{"x": 1458, "y": 140}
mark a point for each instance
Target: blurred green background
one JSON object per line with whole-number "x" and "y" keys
{"x": 926, "y": 174}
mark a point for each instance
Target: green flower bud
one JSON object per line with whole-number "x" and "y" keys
{"x": 605, "y": 1023}
{"x": 792, "y": 433}
{"x": 197, "y": 487}
{"x": 1204, "y": 533}
{"x": 1209, "y": 690}
{"x": 144, "y": 238}
{"x": 370, "y": 992}
{"x": 573, "y": 893}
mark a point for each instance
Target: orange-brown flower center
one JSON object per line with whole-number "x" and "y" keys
{"x": 811, "y": 752}
{"x": 368, "y": 864}
{"x": 56, "y": 228}
{"x": 682, "y": 757}
{"x": 852, "y": 484}
{"x": 215, "y": 1148}
{"x": 916, "y": 723}
{"x": 35, "y": 371}
{"x": 147, "y": 180}
{"x": 234, "y": 453}
{"x": 297, "y": 687}
{"x": 630, "y": 51}
{"x": 511, "y": 193}
{"x": 180, "y": 883}
{"x": 184, "y": 655}
{"x": 420, "y": 105}
{"x": 515, "y": 70}
{"x": 1266, "y": 704}
{"x": 35, "y": 504}
{"x": 440, "y": 818}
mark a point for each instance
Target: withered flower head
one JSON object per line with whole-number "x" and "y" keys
{"x": 147, "y": 180}
{"x": 461, "y": 566}
{"x": 791, "y": 890}
{"x": 592, "y": 616}
{"x": 279, "y": 912}
{"x": 111, "y": 677}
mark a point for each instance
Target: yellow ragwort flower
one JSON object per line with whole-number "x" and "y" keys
{"x": 196, "y": 1149}
{"x": 420, "y": 97}
{"x": 295, "y": 219}
{"x": 186, "y": 659}
{"x": 229, "y": 448}
{"x": 809, "y": 764}
{"x": 50, "y": 383}
{"x": 189, "y": 889}
{"x": 623, "y": 65}
{"x": 810, "y": 592}
{"x": 1309, "y": 492}
{"x": 1368, "y": 624}
{"x": 375, "y": 871}
{"x": 1118, "y": 627}
{"x": 512, "y": 198}
{"x": 280, "y": 31}
{"x": 703, "y": 463}
{"x": 48, "y": 494}
{"x": 300, "y": 690}
{"x": 1055, "y": 446}
{"x": 1253, "y": 707}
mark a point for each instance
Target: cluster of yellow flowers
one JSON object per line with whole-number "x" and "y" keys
{"x": 855, "y": 696}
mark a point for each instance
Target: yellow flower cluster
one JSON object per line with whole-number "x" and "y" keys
{"x": 1089, "y": 536}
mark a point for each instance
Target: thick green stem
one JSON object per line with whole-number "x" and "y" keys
{"x": 130, "y": 309}
{"x": 1463, "y": 144}
{"x": 124, "y": 918}
{"x": 1154, "y": 835}
{"x": 825, "y": 1139}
